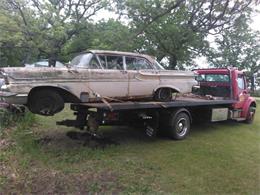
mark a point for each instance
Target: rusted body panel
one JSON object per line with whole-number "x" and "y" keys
{"x": 96, "y": 83}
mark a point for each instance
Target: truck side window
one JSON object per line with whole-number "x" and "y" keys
{"x": 241, "y": 82}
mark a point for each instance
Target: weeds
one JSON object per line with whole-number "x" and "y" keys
{"x": 221, "y": 158}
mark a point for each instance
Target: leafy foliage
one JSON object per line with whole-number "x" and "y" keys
{"x": 177, "y": 29}
{"x": 46, "y": 26}
{"x": 173, "y": 31}
{"x": 237, "y": 46}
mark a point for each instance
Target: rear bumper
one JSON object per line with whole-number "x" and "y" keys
{"x": 13, "y": 98}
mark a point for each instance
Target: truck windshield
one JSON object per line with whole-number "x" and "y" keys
{"x": 213, "y": 78}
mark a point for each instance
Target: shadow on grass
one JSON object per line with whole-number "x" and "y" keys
{"x": 118, "y": 136}
{"x": 109, "y": 136}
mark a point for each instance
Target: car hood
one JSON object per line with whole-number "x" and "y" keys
{"x": 26, "y": 73}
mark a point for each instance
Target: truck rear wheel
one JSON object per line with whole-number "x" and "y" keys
{"x": 176, "y": 125}
{"x": 45, "y": 102}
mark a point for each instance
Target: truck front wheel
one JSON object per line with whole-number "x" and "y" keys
{"x": 250, "y": 115}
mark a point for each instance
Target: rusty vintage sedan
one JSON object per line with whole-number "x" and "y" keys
{"x": 91, "y": 77}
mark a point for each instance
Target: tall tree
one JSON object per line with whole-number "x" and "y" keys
{"x": 237, "y": 46}
{"x": 107, "y": 35}
{"x": 50, "y": 24}
{"x": 177, "y": 29}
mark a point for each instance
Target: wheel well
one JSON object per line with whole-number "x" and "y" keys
{"x": 253, "y": 104}
{"x": 167, "y": 87}
{"x": 66, "y": 95}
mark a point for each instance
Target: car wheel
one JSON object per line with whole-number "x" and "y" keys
{"x": 45, "y": 102}
{"x": 250, "y": 115}
{"x": 163, "y": 94}
{"x": 178, "y": 125}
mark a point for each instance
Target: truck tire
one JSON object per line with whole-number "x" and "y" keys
{"x": 163, "y": 94}
{"x": 250, "y": 115}
{"x": 45, "y": 102}
{"x": 176, "y": 125}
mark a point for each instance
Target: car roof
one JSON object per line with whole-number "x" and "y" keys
{"x": 150, "y": 58}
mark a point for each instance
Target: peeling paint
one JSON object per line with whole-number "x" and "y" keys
{"x": 119, "y": 84}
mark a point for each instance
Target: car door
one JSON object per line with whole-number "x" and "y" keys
{"x": 112, "y": 80}
{"x": 143, "y": 79}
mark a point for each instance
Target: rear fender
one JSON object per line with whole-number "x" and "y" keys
{"x": 65, "y": 92}
{"x": 167, "y": 86}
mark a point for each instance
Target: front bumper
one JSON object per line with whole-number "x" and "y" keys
{"x": 13, "y": 98}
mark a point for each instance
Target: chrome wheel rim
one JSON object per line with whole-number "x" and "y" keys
{"x": 181, "y": 126}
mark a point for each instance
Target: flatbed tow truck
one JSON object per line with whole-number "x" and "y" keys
{"x": 221, "y": 95}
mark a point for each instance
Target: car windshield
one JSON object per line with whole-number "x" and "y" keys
{"x": 86, "y": 60}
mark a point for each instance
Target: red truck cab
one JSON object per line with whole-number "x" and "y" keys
{"x": 228, "y": 83}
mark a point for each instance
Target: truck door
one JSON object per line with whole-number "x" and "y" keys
{"x": 242, "y": 90}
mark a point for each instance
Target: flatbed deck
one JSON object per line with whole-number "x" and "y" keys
{"x": 179, "y": 102}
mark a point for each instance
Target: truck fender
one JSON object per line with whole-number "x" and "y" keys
{"x": 250, "y": 101}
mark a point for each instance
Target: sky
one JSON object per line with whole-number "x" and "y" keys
{"x": 256, "y": 19}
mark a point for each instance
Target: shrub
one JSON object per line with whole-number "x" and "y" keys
{"x": 10, "y": 115}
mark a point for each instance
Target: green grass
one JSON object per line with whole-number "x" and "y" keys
{"x": 220, "y": 158}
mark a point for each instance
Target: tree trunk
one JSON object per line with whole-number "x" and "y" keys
{"x": 52, "y": 60}
{"x": 252, "y": 80}
{"x": 173, "y": 62}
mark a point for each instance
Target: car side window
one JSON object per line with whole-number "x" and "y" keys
{"x": 87, "y": 60}
{"x": 115, "y": 62}
{"x": 135, "y": 63}
{"x": 93, "y": 64}
{"x": 102, "y": 60}
{"x": 111, "y": 62}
